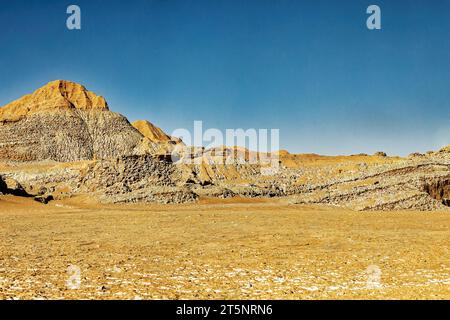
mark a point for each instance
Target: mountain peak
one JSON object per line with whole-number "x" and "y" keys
{"x": 58, "y": 94}
{"x": 150, "y": 131}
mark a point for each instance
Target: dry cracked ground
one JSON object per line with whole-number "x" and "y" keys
{"x": 220, "y": 249}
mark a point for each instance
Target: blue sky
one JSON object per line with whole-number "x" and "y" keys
{"x": 310, "y": 68}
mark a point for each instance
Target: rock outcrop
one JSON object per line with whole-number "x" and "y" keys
{"x": 135, "y": 179}
{"x": 138, "y": 178}
{"x": 152, "y": 132}
{"x": 156, "y": 141}
{"x": 412, "y": 184}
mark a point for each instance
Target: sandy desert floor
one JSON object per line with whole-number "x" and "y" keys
{"x": 220, "y": 250}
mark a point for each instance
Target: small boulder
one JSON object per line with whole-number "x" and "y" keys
{"x": 380, "y": 154}
{"x": 416, "y": 155}
{"x": 227, "y": 193}
{"x": 42, "y": 191}
{"x": 445, "y": 149}
{"x": 359, "y": 155}
{"x": 45, "y": 199}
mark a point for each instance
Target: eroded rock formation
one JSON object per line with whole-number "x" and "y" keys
{"x": 63, "y": 141}
{"x": 64, "y": 122}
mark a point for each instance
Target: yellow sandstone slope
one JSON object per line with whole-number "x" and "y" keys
{"x": 59, "y": 94}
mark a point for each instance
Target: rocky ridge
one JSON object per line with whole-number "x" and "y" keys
{"x": 63, "y": 141}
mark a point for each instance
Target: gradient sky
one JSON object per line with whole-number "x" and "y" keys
{"x": 310, "y": 68}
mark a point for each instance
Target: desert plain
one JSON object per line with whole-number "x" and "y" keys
{"x": 220, "y": 249}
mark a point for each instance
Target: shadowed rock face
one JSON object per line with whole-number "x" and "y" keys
{"x": 12, "y": 187}
{"x": 3, "y": 186}
{"x": 439, "y": 190}
{"x": 64, "y": 122}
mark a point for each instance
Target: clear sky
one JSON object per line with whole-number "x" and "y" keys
{"x": 310, "y": 68}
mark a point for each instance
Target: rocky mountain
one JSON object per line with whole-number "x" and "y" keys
{"x": 63, "y": 121}
{"x": 98, "y": 153}
{"x": 66, "y": 123}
